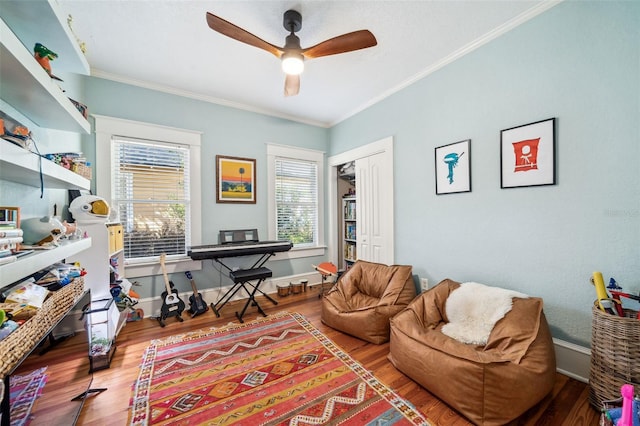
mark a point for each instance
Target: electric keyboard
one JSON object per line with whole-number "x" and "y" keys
{"x": 244, "y": 248}
{"x": 236, "y": 243}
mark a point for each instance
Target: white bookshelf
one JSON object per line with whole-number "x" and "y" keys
{"x": 40, "y": 259}
{"x": 43, "y": 21}
{"x": 43, "y": 102}
{"x": 27, "y": 88}
{"x": 21, "y": 166}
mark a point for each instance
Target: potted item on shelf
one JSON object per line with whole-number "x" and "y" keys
{"x": 43, "y": 56}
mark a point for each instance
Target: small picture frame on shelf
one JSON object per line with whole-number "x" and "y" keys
{"x": 9, "y": 218}
{"x": 10, "y": 232}
{"x": 527, "y": 155}
{"x": 453, "y": 168}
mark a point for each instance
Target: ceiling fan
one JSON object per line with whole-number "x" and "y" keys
{"x": 292, "y": 55}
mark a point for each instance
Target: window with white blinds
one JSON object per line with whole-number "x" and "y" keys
{"x": 296, "y": 193}
{"x": 150, "y": 189}
{"x": 296, "y": 198}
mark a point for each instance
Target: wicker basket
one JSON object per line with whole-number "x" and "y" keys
{"x": 21, "y": 342}
{"x": 615, "y": 355}
{"x": 82, "y": 169}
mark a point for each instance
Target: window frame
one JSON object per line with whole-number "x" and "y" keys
{"x": 274, "y": 152}
{"x": 108, "y": 127}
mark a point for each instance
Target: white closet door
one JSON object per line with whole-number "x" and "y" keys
{"x": 374, "y": 205}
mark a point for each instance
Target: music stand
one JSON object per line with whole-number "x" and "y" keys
{"x": 326, "y": 269}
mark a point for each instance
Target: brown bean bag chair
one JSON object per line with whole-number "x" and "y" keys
{"x": 489, "y": 384}
{"x": 365, "y": 297}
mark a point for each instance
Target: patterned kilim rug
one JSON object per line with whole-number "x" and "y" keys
{"x": 25, "y": 389}
{"x": 273, "y": 371}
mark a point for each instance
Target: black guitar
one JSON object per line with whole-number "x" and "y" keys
{"x": 172, "y": 305}
{"x": 197, "y": 305}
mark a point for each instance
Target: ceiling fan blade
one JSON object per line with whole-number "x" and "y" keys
{"x": 341, "y": 44}
{"x": 291, "y": 85}
{"x": 235, "y": 32}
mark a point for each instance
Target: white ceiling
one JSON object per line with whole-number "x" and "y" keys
{"x": 167, "y": 45}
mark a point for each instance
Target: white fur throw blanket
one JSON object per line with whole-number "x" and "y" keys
{"x": 473, "y": 309}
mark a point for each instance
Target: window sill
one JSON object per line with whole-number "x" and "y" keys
{"x": 146, "y": 269}
{"x": 297, "y": 253}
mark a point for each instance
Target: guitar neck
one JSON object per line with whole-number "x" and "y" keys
{"x": 193, "y": 287}
{"x": 164, "y": 273}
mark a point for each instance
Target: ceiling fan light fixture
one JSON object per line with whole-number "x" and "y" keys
{"x": 292, "y": 55}
{"x": 292, "y": 63}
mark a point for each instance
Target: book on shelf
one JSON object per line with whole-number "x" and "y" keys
{"x": 10, "y": 233}
{"x": 350, "y": 231}
{"x": 29, "y": 293}
{"x": 10, "y": 243}
{"x": 350, "y": 210}
{"x": 7, "y": 259}
{"x": 350, "y": 252}
{"x": 19, "y": 253}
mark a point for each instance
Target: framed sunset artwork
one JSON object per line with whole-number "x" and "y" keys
{"x": 235, "y": 180}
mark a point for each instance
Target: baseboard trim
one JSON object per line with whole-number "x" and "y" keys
{"x": 572, "y": 360}
{"x": 151, "y": 305}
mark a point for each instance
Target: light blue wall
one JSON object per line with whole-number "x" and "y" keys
{"x": 46, "y": 141}
{"x": 226, "y": 131}
{"x": 578, "y": 62}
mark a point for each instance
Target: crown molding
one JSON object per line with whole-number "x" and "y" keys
{"x": 197, "y": 96}
{"x": 468, "y": 48}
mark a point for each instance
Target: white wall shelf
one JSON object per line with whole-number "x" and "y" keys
{"x": 19, "y": 165}
{"x": 44, "y": 102}
{"x": 27, "y": 88}
{"x": 31, "y": 263}
{"x": 42, "y": 21}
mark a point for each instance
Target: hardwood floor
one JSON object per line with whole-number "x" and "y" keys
{"x": 566, "y": 405}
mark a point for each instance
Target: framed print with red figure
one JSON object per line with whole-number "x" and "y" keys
{"x": 527, "y": 155}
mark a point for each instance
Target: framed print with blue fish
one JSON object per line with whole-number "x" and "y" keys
{"x": 235, "y": 180}
{"x": 453, "y": 168}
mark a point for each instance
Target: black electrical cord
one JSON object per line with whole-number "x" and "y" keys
{"x": 39, "y": 167}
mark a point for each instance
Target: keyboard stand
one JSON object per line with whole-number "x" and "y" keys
{"x": 241, "y": 279}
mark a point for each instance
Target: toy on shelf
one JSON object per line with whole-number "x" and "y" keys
{"x": 604, "y": 302}
{"x": 43, "y": 56}
{"x": 20, "y": 136}
{"x": 613, "y": 284}
{"x": 617, "y": 294}
{"x": 614, "y": 302}
{"x": 89, "y": 209}
{"x": 45, "y": 231}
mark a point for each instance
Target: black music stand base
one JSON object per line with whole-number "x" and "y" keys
{"x": 91, "y": 391}
{"x": 241, "y": 279}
